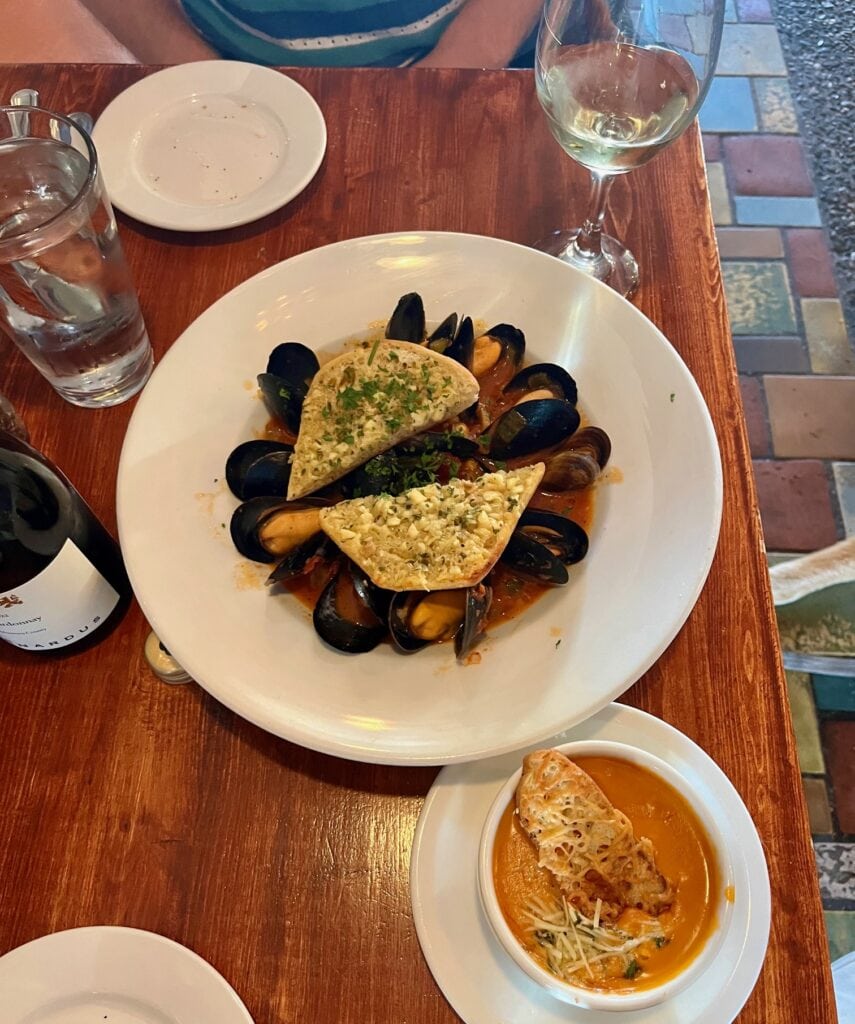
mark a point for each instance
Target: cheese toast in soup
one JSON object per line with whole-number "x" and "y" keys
{"x": 604, "y": 873}
{"x": 420, "y": 487}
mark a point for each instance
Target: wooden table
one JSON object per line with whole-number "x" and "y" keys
{"x": 126, "y": 801}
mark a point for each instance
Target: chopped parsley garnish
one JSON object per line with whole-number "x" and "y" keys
{"x": 633, "y": 969}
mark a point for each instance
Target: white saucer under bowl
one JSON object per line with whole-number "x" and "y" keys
{"x": 480, "y": 980}
{"x": 209, "y": 145}
{"x": 118, "y": 975}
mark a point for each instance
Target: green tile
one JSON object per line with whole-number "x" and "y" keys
{"x": 804, "y": 723}
{"x": 758, "y": 298}
{"x": 775, "y": 106}
{"x": 840, "y": 925}
{"x": 750, "y": 50}
{"x": 834, "y": 693}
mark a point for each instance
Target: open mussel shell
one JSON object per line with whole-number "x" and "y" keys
{"x": 343, "y": 619}
{"x": 283, "y": 399}
{"x": 461, "y": 348}
{"x": 560, "y": 535}
{"x": 268, "y": 476}
{"x": 241, "y": 460}
{"x": 478, "y": 601}
{"x": 503, "y": 344}
{"x": 432, "y": 441}
{"x": 543, "y": 380}
{"x": 528, "y": 558}
{"x": 376, "y": 598}
{"x": 532, "y": 427}
{"x": 294, "y": 363}
{"x": 407, "y": 322}
{"x": 444, "y": 334}
{"x": 418, "y": 618}
{"x": 266, "y": 529}
{"x": 302, "y": 559}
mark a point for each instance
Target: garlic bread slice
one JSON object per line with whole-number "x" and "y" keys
{"x": 438, "y": 537}
{"x": 368, "y": 400}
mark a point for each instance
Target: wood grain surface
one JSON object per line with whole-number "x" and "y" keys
{"x": 126, "y": 801}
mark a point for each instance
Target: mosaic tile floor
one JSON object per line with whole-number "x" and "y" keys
{"x": 797, "y": 373}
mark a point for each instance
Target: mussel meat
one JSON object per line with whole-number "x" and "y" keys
{"x": 240, "y": 471}
{"x": 418, "y": 618}
{"x": 542, "y": 380}
{"x": 266, "y": 529}
{"x": 503, "y": 343}
{"x": 532, "y": 427}
{"x": 343, "y": 619}
{"x": 407, "y": 322}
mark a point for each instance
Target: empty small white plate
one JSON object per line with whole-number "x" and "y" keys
{"x": 209, "y": 145}
{"x": 113, "y": 975}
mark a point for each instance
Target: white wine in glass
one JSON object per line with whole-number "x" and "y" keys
{"x": 619, "y": 80}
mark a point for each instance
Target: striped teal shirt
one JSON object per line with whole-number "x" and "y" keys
{"x": 323, "y": 33}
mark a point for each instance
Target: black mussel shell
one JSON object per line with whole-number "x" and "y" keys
{"x": 302, "y": 559}
{"x": 591, "y": 441}
{"x": 413, "y": 613}
{"x": 342, "y": 618}
{"x": 532, "y": 427}
{"x": 530, "y": 559}
{"x": 283, "y": 399}
{"x": 462, "y": 348}
{"x": 376, "y": 598}
{"x": 564, "y": 538}
{"x": 293, "y": 362}
{"x": 544, "y": 377}
{"x": 442, "y": 337}
{"x": 268, "y": 476}
{"x": 243, "y": 457}
{"x": 407, "y": 322}
{"x": 510, "y": 351}
{"x": 478, "y": 601}
{"x": 251, "y": 517}
{"x": 379, "y": 475}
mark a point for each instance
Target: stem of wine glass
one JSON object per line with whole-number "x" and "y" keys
{"x": 588, "y": 243}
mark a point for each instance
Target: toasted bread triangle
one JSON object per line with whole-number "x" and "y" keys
{"x": 438, "y": 537}
{"x": 368, "y": 400}
{"x": 584, "y": 842}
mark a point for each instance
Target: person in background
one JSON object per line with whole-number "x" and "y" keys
{"x": 328, "y": 33}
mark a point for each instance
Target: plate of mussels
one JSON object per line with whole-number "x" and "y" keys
{"x": 437, "y": 497}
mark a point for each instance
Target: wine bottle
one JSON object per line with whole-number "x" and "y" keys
{"x": 62, "y": 578}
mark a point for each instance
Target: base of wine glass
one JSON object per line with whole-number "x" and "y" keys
{"x": 617, "y": 268}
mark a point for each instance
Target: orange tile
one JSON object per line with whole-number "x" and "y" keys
{"x": 795, "y": 504}
{"x": 812, "y": 417}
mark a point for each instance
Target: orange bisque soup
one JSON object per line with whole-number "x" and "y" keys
{"x": 683, "y": 854}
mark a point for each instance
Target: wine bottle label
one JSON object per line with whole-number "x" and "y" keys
{"x": 66, "y": 601}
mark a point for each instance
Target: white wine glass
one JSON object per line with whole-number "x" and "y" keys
{"x": 620, "y": 80}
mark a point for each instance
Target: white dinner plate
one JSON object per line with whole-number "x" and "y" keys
{"x": 209, "y": 145}
{"x": 652, "y": 541}
{"x": 113, "y": 975}
{"x": 480, "y": 980}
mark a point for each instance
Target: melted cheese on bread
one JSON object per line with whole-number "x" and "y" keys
{"x": 438, "y": 537}
{"x": 368, "y": 400}
{"x": 586, "y": 843}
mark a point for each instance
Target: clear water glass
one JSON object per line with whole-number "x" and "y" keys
{"x": 66, "y": 295}
{"x": 619, "y": 80}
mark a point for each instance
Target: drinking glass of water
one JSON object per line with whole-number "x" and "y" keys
{"x": 66, "y": 295}
{"x": 620, "y": 80}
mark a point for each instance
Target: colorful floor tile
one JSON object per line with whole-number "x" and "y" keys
{"x": 797, "y": 378}
{"x": 758, "y": 298}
